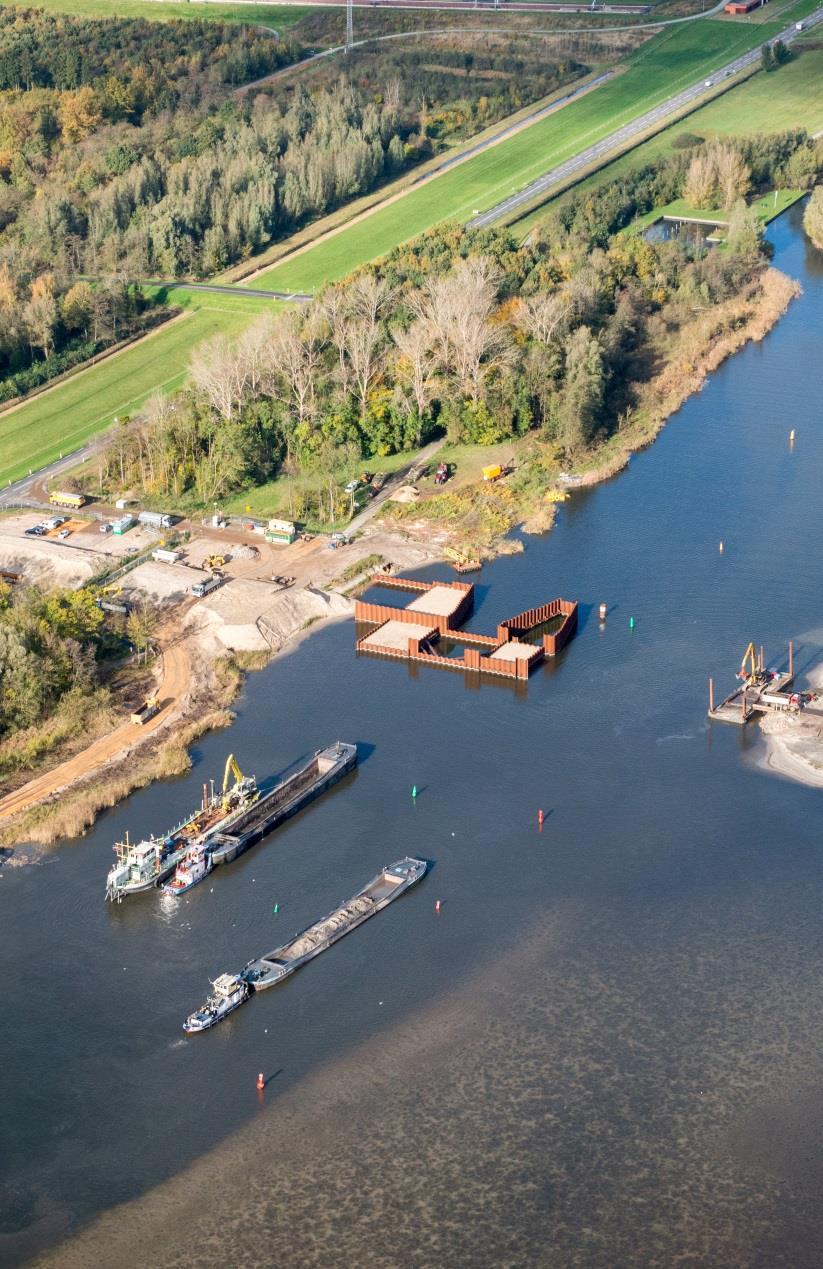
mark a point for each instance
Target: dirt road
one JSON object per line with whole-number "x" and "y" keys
{"x": 172, "y": 688}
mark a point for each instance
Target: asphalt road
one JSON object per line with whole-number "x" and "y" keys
{"x": 22, "y": 493}
{"x": 219, "y": 289}
{"x": 630, "y": 131}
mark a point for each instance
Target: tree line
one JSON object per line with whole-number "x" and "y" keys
{"x": 48, "y": 644}
{"x": 467, "y": 332}
{"x": 188, "y": 192}
{"x": 132, "y": 65}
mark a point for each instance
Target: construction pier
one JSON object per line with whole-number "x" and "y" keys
{"x": 414, "y": 632}
{"x": 759, "y": 692}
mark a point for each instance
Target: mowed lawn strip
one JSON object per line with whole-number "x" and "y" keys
{"x": 63, "y": 418}
{"x": 664, "y": 66}
{"x": 279, "y": 17}
{"x": 791, "y": 97}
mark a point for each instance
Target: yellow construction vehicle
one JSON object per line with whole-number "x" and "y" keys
{"x": 750, "y": 669}
{"x": 215, "y": 561}
{"x": 231, "y": 769}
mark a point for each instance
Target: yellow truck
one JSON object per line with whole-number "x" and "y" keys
{"x": 61, "y": 498}
{"x": 492, "y": 472}
{"x": 146, "y": 711}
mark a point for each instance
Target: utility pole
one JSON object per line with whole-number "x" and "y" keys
{"x": 349, "y": 25}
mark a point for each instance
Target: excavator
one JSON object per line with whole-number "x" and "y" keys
{"x": 243, "y": 785}
{"x": 750, "y": 672}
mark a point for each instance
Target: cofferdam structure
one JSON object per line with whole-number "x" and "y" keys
{"x": 427, "y": 630}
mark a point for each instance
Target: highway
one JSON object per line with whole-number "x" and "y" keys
{"x": 629, "y": 132}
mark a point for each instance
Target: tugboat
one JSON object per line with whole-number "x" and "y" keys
{"x": 143, "y": 865}
{"x": 195, "y": 865}
{"x": 229, "y": 992}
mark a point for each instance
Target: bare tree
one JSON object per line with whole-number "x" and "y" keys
{"x": 733, "y": 175}
{"x": 220, "y": 375}
{"x": 544, "y": 316}
{"x": 253, "y": 353}
{"x": 295, "y": 345}
{"x": 459, "y": 310}
{"x": 361, "y": 334}
{"x": 332, "y": 305}
{"x": 416, "y": 368}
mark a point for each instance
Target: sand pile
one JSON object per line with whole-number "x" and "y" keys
{"x": 251, "y": 616}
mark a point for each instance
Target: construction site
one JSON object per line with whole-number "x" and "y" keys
{"x": 427, "y": 630}
{"x": 761, "y": 691}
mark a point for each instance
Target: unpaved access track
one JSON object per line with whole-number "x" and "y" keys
{"x": 176, "y": 677}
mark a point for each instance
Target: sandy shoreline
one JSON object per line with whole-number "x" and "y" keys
{"x": 794, "y": 742}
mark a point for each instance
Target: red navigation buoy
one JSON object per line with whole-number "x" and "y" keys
{"x": 261, "y": 1083}
{"x": 437, "y": 905}
{"x": 540, "y": 818}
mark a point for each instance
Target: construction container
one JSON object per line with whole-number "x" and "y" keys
{"x": 281, "y": 531}
{"x": 121, "y": 526}
{"x": 492, "y": 472}
{"x": 166, "y": 557}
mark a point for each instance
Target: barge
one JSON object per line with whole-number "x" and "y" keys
{"x": 387, "y": 886}
{"x": 320, "y": 773}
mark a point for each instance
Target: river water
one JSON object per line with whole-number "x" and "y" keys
{"x": 606, "y": 1047}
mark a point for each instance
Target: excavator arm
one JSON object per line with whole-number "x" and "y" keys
{"x": 748, "y": 666}
{"x": 231, "y": 769}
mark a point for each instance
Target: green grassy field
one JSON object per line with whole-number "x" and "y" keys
{"x": 61, "y": 419}
{"x": 663, "y": 66}
{"x": 791, "y": 97}
{"x": 279, "y": 17}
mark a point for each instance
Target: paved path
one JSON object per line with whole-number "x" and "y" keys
{"x": 225, "y": 288}
{"x": 630, "y": 131}
{"x": 371, "y": 509}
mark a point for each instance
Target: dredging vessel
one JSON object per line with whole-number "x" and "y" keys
{"x": 272, "y": 968}
{"x": 144, "y": 864}
{"x": 226, "y": 826}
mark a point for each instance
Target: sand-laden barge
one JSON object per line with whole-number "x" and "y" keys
{"x": 387, "y": 886}
{"x": 284, "y": 800}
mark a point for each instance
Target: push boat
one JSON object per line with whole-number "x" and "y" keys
{"x": 195, "y": 866}
{"x": 145, "y": 864}
{"x": 228, "y": 993}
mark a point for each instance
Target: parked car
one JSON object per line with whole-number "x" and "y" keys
{"x": 105, "y": 527}
{"x": 36, "y": 531}
{"x": 352, "y": 487}
{"x": 64, "y": 533}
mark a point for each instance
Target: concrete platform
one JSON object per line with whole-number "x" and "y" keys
{"x": 396, "y": 634}
{"x": 515, "y": 651}
{"x": 440, "y": 601}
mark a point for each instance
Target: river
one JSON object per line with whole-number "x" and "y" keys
{"x": 605, "y": 1049}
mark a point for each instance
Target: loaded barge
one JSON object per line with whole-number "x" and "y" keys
{"x": 272, "y": 968}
